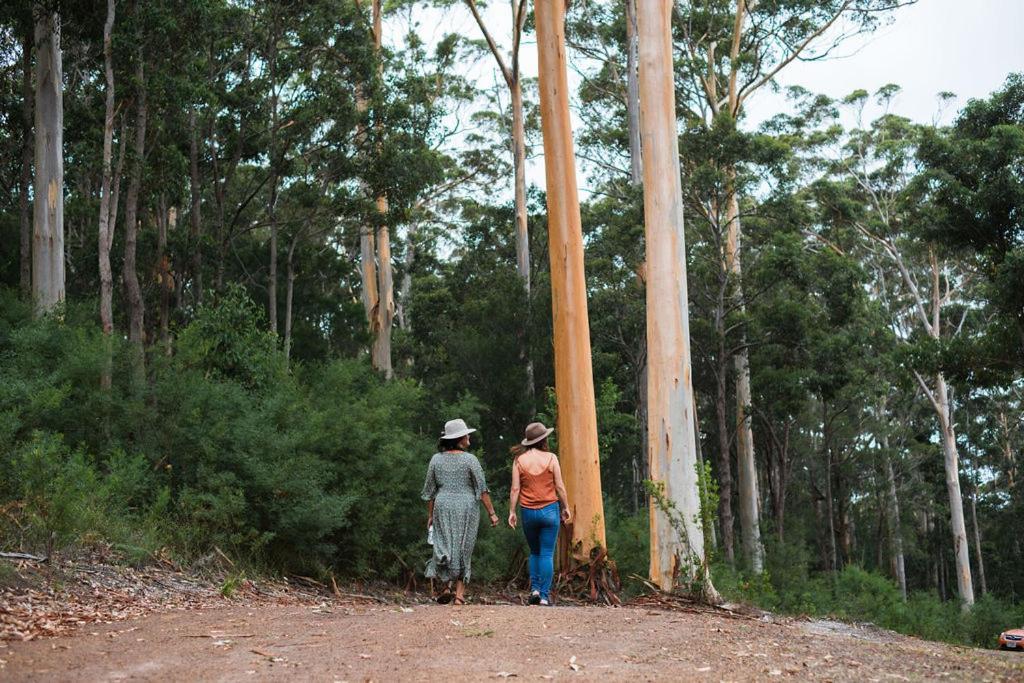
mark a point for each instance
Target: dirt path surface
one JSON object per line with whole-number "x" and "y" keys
{"x": 390, "y": 643}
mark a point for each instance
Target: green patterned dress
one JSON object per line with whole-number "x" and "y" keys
{"x": 455, "y": 482}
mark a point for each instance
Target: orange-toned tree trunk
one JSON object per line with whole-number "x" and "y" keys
{"x": 677, "y": 537}
{"x": 574, "y": 380}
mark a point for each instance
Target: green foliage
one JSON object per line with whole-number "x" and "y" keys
{"x": 225, "y": 449}
{"x": 857, "y": 595}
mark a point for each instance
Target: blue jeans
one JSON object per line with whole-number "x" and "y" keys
{"x": 541, "y": 529}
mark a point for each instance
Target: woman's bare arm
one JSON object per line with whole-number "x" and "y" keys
{"x": 563, "y": 496}
{"x": 485, "y": 498}
{"x": 430, "y": 512}
{"x": 513, "y": 497}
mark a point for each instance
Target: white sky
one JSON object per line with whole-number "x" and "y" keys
{"x": 967, "y": 47}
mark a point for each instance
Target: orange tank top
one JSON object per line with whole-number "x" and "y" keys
{"x": 537, "y": 490}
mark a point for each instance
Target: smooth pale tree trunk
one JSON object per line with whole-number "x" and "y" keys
{"x": 519, "y": 164}
{"x": 289, "y": 291}
{"x": 405, "y": 288}
{"x": 48, "y": 205}
{"x": 746, "y": 467}
{"x": 677, "y": 536}
{"x": 951, "y": 458}
{"x": 636, "y": 168}
{"x": 977, "y": 539}
{"x": 106, "y": 229}
{"x": 574, "y": 380}
{"x": 25, "y": 179}
{"x": 895, "y": 530}
{"x": 136, "y": 306}
{"x": 195, "y": 216}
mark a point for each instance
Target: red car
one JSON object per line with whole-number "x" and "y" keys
{"x": 1012, "y": 639}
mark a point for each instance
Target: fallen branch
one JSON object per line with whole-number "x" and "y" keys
{"x": 23, "y": 556}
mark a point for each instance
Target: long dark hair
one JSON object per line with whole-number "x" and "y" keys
{"x": 449, "y": 444}
{"x": 519, "y": 448}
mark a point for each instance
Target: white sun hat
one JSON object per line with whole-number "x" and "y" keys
{"x": 456, "y": 429}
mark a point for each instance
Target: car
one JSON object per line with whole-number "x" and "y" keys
{"x": 1012, "y": 639}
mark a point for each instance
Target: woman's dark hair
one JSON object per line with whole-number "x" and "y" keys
{"x": 519, "y": 448}
{"x": 449, "y": 444}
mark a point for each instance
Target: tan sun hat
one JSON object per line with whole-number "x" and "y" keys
{"x": 535, "y": 432}
{"x": 456, "y": 429}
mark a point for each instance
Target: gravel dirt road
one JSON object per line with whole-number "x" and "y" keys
{"x": 334, "y": 642}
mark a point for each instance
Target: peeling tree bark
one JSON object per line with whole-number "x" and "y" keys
{"x": 48, "y": 206}
{"x": 574, "y": 381}
{"x": 677, "y": 537}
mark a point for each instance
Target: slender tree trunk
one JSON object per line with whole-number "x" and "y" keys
{"x": 641, "y": 466}
{"x": 385, "y": 313}
{"x": 195, "y": 216}
{"x": 522, "y": 227}
{"x": 48, "y": 206}
{"x": 724, "y": 461}
{"x": 574, "y": 380}
{"x": 405, "y": 288}
{"x": 895, "y": 531}
{"x": 519, "y": 165}
{"x": 274, "y": 179}
{"x": 710, "y": 537}
{"x": 165, "y": 221}
{"x": 136, "y": 310}
{"x": 829, "y": 495}
{"x": 106, "y": 229}
{"x": 368, "y": 273}
{"x": 25, "y": 179}
{"x": 977, "y": 539}
{"x": 951, "y": 458}
{"x": 677, "y": 536}
{"x": 272, "y": 269}
{"x": 636, "y": 168}
{"x": 289, "y": 291}
{"x": 746, "y": 466}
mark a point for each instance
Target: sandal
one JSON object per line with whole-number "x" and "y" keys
{"x": 445, "y": 597}
{"x": 458, "y": 601}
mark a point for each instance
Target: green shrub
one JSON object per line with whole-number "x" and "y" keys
{"x": 863, "y": 596}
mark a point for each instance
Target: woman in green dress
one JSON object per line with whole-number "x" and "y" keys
{"x": 454, "y": 486}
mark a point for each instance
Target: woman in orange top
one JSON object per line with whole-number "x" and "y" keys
{"x": 537, "y": 486}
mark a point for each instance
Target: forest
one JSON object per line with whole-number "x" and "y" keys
{"x": 254, "y": 254}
